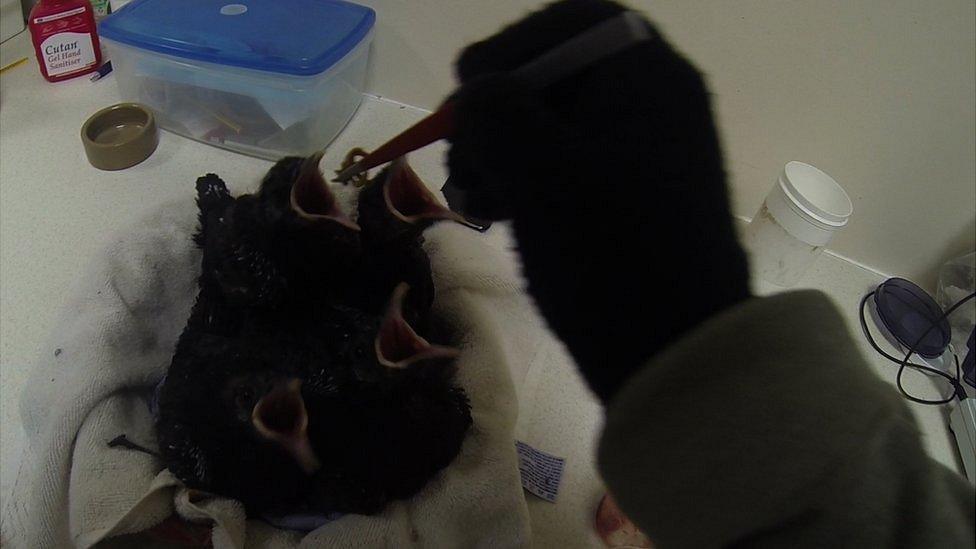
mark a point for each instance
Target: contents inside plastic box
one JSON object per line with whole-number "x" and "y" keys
{"x": 267, "y": 79}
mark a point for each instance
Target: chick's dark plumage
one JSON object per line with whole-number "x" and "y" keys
{"x": 299, "y": 384}
{"x": 258, "y": 245}
{"x": 204, "y": 426}
{"x": 382, "y": 432}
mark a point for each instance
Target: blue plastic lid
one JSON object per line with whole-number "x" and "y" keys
{"x": 303, "y": 37}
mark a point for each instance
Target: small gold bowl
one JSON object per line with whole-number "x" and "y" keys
{"x": 120, "y": 136}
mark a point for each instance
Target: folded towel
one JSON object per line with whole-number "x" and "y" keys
{"x": 114, "y": 343}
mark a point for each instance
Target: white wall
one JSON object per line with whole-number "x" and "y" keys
{"x": 879, "y": 93}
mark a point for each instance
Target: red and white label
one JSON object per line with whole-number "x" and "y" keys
{"x": 61, "y": 15}
{"x": 67, "y": 52}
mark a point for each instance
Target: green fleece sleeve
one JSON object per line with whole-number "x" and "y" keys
{"x": 764, "y": 427}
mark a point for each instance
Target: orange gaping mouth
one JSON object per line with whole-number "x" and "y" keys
{"x": 397, "y": 344}
{"x": 280, "y": 416}
{"x": 409, "y": 199}
{"x": 311, "y": 198}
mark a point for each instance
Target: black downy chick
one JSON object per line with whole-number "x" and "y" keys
{"x": 286, "y": 245}
{"x": 234, "y": 241}
{"x": 318, "y": 245}
{"x": 207, "y": 427}
{"x": 409, "y": 420}
{"x": 394, "y": 210}
{"x": 233, "y": 352}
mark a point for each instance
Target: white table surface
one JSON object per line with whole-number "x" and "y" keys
{"x": 56, "y": 212}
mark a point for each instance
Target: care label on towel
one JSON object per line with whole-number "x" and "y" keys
{"x": 541, "y": 472}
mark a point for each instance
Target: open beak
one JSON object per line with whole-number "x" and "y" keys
{"x": 409, "y": 200}
{"x": 398, "y": 345}
{"x": 312, "y": 199}
{"x": 280, "y": 416}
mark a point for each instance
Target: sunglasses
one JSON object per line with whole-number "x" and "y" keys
{"x": 918, "y": 324}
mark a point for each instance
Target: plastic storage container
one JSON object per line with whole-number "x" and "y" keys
{"x": 797, "y": 219}
{"x": 267, "y": 78}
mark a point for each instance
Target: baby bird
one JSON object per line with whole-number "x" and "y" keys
{"x": 394, "y": 209}
{"x": 407, "y": 419}
{"x": 207, "y": 429}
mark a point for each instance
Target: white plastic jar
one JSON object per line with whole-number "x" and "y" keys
{"x": 796, "y": 221}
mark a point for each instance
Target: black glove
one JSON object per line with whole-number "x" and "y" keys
{"x": 613, "y": 179}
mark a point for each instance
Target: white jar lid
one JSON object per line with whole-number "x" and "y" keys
{"x": 816, "y": 194}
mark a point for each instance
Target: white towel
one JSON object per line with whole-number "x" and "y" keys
{"x": 115, "y": 342}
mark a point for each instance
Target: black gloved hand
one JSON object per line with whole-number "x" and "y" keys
{"x": 613, "y": 179}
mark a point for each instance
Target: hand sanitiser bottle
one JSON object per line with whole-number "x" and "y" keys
{"x": 65, "y": 39}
